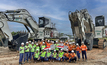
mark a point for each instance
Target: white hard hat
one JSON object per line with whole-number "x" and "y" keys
{"x": 61, "y": 49}
{"x": 82, "y": 42}
{"x": 22, "y": 43}
{"x": 36, "y": 44}
{"x": 27, "y": 42}
{"x": 48, "y": 41}
{"x": 37, "y": 50}
{"x": 66, "y": 49}
{"x": 43, "y": 49}
{"x": 72, "y": 51}
{"x": 49, "y": 48}
{"x": 32, "y": 43}
{"x": 77, "y": 44}
{"x": 56, "y": 41}
{"x": 54, "y": 50}
{"x": 43, "y": 42}
{"x": 70, "y": 43}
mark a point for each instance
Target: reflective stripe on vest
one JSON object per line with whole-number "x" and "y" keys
{"x": 22, "y": 51}
{"x": 43, "y": 46}
{"x": 54, "y": 55}
{"x": 36, "y": 55}
{"x": 43, "y": 54}
{"x": 32, "y": 50}
{"x": 61, "y": 54}
{"x": 48, "y": 54}
{"x": 27, "y": 50}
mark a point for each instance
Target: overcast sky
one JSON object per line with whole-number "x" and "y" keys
{"x": 56, "y": 10}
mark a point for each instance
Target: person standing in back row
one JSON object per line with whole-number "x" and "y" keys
{"x": 84, "y": 49}
{"x": 21, "y": 51}
{"x": 78, "y": 51}
{"x": 26, "y": 52}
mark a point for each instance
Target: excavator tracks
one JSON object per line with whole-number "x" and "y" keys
{"x": 101, "y": 44}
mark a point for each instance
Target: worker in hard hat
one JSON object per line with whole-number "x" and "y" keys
{"x": 70, "y": 47}
{"x": 72, "y": 57}
{"x": 78, "y": 50}
{"x": 32, "y": 50}
{"x": 43, "y": 46}
{"x": 66, "y": 55}
{"x": 30, "y": 47}
{"x": 35, "y": 44}
{"x": 30, "y": 44}
{"x": 36, "y": 56}
{"x": 60, "y": 55}
{"x": 84, "y": 49}
{"x": 74, "y": 47}
{"x": 49, "y": 55}
{"x": 54, "y": 56}
{"x": 43, "y": 55}
{"x": 21, "y": 51}
{"x": 56, "y": 48}
{"x": 41, "y": 42}
{"x": 26, "y": 52}
{"x": 37, "y": 47}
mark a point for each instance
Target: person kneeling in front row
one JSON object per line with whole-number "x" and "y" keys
{"x": 72, "y": 57}
{"x": 36, "y": 55}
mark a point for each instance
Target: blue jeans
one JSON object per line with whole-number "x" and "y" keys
{"x": 48, "y": 58}
{"x": 72, "y": 59}
{"x": 26, "y": 56}
{"x": 43, "y": 59}
{"x": 65, "y": 58}
{"x": 54, "y": 58}
{"x": 59, "y": 59}
{"x": 31, "y": 54}
{"x": 84, "y": 53}
{"x": 21, "y": 57}
{"x": 78, "y": 54}
{"x": 69, "y": 51}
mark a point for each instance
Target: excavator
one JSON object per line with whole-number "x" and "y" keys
{"x": 36, "y": 31}
{"x": 84, "y": 30}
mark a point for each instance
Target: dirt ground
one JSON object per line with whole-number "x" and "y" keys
{"x": 95, "y": 57}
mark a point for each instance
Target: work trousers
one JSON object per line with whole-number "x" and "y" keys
{"x": 26, "y": 56}
{"x": 84, "y": 53}
{"x": 21, "y": 57}
{"x": 78, "y": 54}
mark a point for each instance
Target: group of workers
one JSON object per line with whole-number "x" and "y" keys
{"x": 36, "y": 51}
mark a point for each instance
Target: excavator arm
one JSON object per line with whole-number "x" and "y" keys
{"x": 21, "y": 16}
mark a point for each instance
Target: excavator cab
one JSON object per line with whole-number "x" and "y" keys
{"x": 43, "y": 21}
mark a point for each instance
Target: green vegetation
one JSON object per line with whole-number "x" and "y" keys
{"x": 14, "y": 33}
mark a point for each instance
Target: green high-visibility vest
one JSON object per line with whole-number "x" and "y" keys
{"x": 37, "y": 48}
{"x": 48, "y": 54}
{"x": 27, "y": 50}
{"x": 43, "y": 46}
{"x": 33, "y": 49}
{"x": 54, "y": 55}
{"x": 36, "y": 55}
{"x": 22, "y": 51}
{"x": 61, "y": 54}
{"x": 34, "y": 45}
{"x": 56, "y": 47}
{"x": 43, "y": 54}
{"x": 30, "y": 45}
